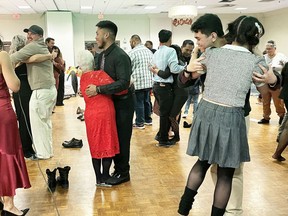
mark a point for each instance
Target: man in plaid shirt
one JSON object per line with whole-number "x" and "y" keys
{"x": 141, "y": 58}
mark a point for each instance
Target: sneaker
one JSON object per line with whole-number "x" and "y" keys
{"x": 148, "y": 123}
{"x": 141, "y": 127}
{"x": 263, "y": 121}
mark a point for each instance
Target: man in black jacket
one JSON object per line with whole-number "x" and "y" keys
{"x": 116, "y": 63}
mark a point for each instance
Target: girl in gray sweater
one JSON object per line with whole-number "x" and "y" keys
{"x": 218, "y": 133}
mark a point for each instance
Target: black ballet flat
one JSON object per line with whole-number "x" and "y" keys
{"x": 7, "y": 213}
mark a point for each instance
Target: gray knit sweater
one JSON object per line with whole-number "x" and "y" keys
{"x": 229, "y": 74}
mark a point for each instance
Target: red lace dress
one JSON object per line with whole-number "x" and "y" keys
{"x": 100, "y": 117}
{"x": 13, "y": 171}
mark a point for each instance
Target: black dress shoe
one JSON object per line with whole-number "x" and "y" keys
{"x": 79, "y": 111}
{"x": 59, "y": 104}
{"x": 263, "y": 121}
{"x": 118, "y": 178}
{"x": 166, "y": 144}
{"x": 186, "y": 125}
{"x": 73, "y": 144}
{"x": 72, "y": 140}
{"x": 7, "y": 213}
{"x": 176, "y": 138}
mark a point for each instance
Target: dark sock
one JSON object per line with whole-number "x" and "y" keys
{"x": 186, "y": 202}
{"x": 106, "y": 163}
{"x": 217, "y": 211}
{"x": 97, "y": 169}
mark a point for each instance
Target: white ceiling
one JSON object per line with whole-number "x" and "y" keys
{"x": 138, "y": 6}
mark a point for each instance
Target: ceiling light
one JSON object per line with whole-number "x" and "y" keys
{"x": 86, "y": 7}
{"x": 240, "y": 8}
{"x": 201, "y": 7}
{"x": 183, "y": 11}
{"x": 149, "y": 7}
{"x": 24, "y": 7}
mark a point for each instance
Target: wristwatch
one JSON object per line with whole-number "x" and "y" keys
{"x": 185, "y": 69}
{"x": 98, "y": 90}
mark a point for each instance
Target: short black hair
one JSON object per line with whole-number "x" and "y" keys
{"x": 245, "y": 30}
{"x": 48, "y": 39}
{"x": 207, "y": 24}
{"x": 109, "y": 25}
{"x": 185, "y": 42}
{"x": 151, "y": 43}
{"x": 136, "y": 37}
{"x": 164, "y": 35}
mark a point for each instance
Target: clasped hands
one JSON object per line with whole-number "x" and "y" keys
{"x": 91, "y": 90}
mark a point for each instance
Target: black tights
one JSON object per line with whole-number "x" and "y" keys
{"x": 106, "y": 164}
{"x": 223, "y": 186}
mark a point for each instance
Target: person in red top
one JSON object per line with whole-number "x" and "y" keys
{"x": 100, "y": 118}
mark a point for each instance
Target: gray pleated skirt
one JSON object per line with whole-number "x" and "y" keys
{"x": 218, "y": 135}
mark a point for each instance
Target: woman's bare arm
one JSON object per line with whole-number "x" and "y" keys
{"x": 10, "y": 77}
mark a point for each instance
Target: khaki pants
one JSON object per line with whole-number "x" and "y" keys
{"x": 234, "y": 206}
{"x": 41, "y": 105}
{"x": 278, "y": 103}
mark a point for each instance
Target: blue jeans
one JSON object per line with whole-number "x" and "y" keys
{"x": 191, "y": 97}
{"x": 142, "y": 106}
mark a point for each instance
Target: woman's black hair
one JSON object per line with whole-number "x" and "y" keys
{"x": 245, "y": 30}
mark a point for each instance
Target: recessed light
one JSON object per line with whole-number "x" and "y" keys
{"x": 149, "y": 7}
{"x": 86, "y": 7}
{"x": 240, "y": 8}
{"x": 201, "y": 7}
{"x": 24, "y": 7}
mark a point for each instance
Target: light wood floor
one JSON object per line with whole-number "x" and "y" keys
{"x": 158, "y": 175}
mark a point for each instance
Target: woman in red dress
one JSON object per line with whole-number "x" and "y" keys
{"x": 100, "y": 119}
{"x": 13, "y": 169}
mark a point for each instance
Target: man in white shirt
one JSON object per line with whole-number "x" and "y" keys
{"x": 277, "y": 61}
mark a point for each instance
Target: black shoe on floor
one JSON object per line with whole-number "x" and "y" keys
{"x": 72, "y": 140}
{"x": 118, "y": 178}
{"x": 280, "y": 120}
{"x": 73, "y": 144}
{"x": 186, "y": 125}
{"x": 157, "y": 137}
{"x": 166, "y": 144}
{"x": 7, "y": 213}
{"x": 263, "y": 121}
{"x": 176, "y": 138}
